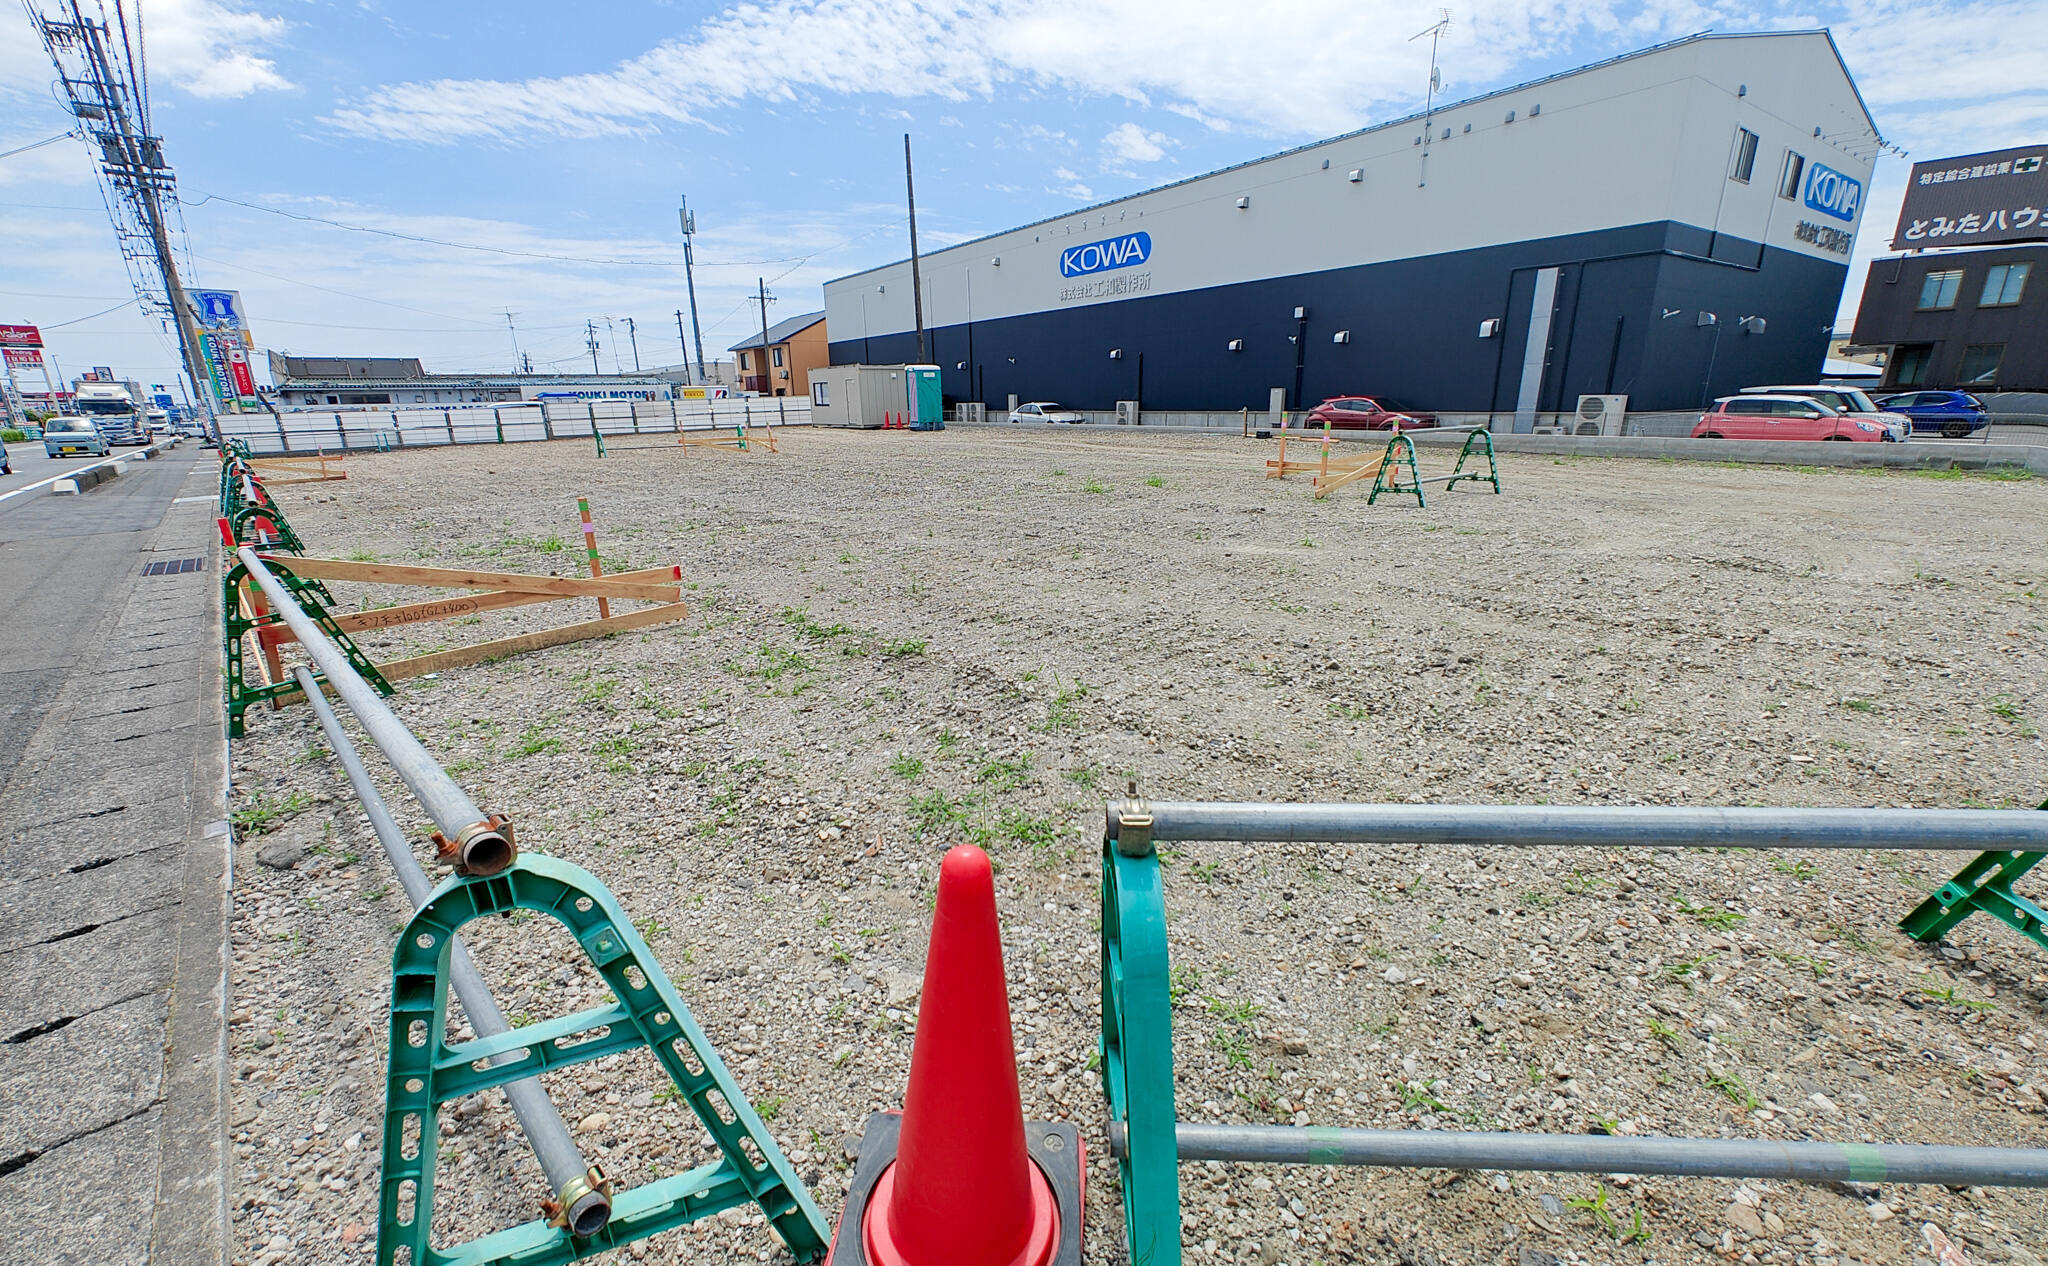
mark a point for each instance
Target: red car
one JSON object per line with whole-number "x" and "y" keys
{"x": 1780, "y": 417}
{"x": 1370, "y": 413}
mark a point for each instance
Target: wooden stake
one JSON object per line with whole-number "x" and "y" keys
{"x": 604, "y": 608}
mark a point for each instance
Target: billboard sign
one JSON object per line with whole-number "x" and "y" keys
{"x": 20, "y": 336}
{"x": 1831, "y": 193}
{"x": 218, "y": 309}
{"x": 22, "y": 357}
{"x": 1976, "y": 200}
{"x": 1127, "y": 251}
{"x": 238, "y": 374}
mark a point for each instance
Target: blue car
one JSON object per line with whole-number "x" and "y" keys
{"x": 1953, "y": 414}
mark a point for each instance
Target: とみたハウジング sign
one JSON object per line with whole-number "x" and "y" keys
{"x": 1976, "y": 200}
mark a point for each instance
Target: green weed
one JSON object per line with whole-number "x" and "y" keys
{"x": 906, "y": 766}
{"x": 264, "y": 812}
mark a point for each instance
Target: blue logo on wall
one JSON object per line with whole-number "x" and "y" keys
{"x": 1831, "y": 193}
{"x": 1096, "y": 257}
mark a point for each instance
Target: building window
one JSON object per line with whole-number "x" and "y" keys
{"x": 1788, "y": 180}
{"x": 1980, "y": 364}
{"x": 820, "y": 394}
{"x": 1938, "y": 290}
{"x": 743, "y": 362}
{"x": 778, "y": 358}
{"x": 2003, "y": 284}
{"x": 1745, "y": 155}
{"x": 1909, "y": 364}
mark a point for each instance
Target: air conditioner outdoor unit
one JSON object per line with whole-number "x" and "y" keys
{"x": 1600, "y": 415}
{"x": 972, "y": 411}
{"x": 1127, "y": 413}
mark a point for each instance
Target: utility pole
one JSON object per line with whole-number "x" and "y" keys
{"x": 765, "y": 301}
{"x": 590, "y": 341}
{"x": 612, "y": 337}
{"x": 690, "y": 278}
{"x": 916, "y": 288}
{"x": 684, "y": 339}
{"x": 634, "y": 335}
{"x": 516, "y": 355}
{"x": 108, "y": 95}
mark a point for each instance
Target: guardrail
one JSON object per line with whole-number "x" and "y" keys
{"x": 1137, "y": 1013}
{"x": 309, "y": 431}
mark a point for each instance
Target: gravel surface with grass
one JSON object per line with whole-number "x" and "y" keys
{"x": 901, "y": 642}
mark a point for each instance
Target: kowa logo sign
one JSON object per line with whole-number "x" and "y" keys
{"x": 1831, "y": 193}
{"x": 1127, "y": 251}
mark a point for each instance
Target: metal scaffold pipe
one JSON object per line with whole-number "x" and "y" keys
{"x": 584, "y": 1204}
{"x": 1522, "y": 826}
{"x": 1611, "y": 1154}
{"x": 476, "y": 843}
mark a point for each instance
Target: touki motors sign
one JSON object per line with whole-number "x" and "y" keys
{"x": 1127, "y": 251}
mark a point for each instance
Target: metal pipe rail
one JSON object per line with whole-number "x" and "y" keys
{"x": 477, "y": 843}
{"x": 585, "y": 1206}
{"x": 1135, "y": 825}
{"x": 1137, "y": 987}
{"x": 1816, "y": 1162}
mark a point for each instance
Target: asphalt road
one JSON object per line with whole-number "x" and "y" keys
{"x": 113, "y": 873}
{"x": 62, "y": 559}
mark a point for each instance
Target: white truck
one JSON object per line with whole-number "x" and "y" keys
{"x": 115, "y": 409}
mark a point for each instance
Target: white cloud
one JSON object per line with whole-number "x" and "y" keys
{"x": 1214, "y": 60}
{"x": 213, "y": 50}
{"x": 1130, "y": 143}
{"x": 205, "y": 47}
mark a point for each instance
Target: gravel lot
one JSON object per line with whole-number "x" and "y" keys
{"x": 900, "y": 642}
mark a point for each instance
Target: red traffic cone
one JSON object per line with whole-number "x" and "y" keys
{"x": 959, "y": 1179}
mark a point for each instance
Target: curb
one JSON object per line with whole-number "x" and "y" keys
{"x": 108, "y": 467}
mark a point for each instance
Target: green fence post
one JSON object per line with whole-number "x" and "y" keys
{"x": 1399, "y": 448}
{"x": 1137, "y": 1036}
{"x": 1492, "y": 475}
{"x": 424, "y": 1072}
{"x": 1985, "y": 884}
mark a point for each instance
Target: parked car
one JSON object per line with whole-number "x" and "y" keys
{"x": 1954, "y": 414}
{"x": 1370, "y": 413}
{"x": 73, "y": 437}
{"x": 1045, "y": 411}
{"x": 1761, "y": 417}
{"x": 1851, "y": 400}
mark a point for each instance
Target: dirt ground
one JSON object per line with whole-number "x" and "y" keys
{"x": 901, "y": 642}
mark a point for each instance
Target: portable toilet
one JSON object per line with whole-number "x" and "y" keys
{"x": 923, "y": 400}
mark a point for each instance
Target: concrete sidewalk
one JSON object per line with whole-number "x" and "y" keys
{"x": 113, "y": 878}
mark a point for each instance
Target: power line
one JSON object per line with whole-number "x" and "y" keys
{"x": 102, "y": 312}
{"x": 476, "y": 246}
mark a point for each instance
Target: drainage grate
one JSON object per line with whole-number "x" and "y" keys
{"x": 175, "y": 567}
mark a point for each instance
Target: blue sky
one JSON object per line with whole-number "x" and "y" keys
{"x": 569, "y": 131}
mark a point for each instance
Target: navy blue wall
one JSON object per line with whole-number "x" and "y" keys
{"x": 1414, "y": 331}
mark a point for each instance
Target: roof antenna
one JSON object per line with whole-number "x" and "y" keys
{"x": 1436, "y": 82}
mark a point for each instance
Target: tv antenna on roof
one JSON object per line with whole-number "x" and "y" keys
{"x": 1436, "y": 33}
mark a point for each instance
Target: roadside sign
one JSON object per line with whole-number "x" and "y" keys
{"x": 23, "y": 357}
{"x": 1976, "y": 200}
{"x": 20, "y": 336}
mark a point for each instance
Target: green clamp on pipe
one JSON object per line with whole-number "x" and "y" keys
{"x": 424, "y": 1071}
{"x": 1137, "y": 1034}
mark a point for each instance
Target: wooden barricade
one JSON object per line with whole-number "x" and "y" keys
{"x": 280, "y": 472}
{"x": 498, "y": 590}
{"x": 1331, "y": 473}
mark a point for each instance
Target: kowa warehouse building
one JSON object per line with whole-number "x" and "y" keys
{"x": 1669, "y": 225}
